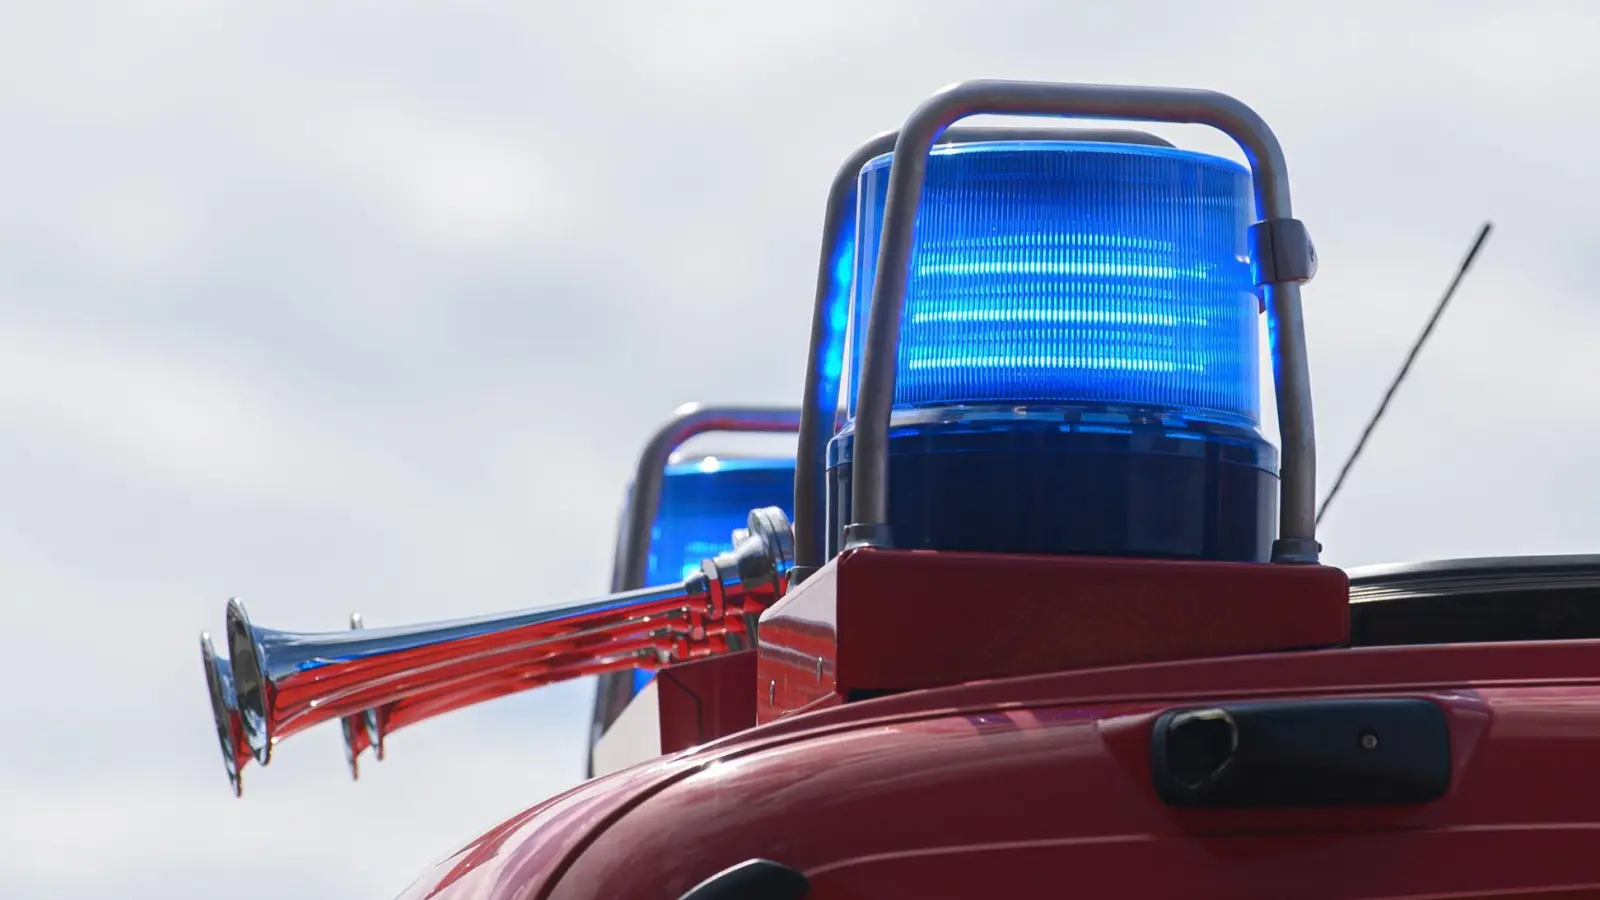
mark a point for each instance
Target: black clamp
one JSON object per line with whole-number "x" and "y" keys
{"x": 1281, "y": 252}
{"x": 1301, "y": 551}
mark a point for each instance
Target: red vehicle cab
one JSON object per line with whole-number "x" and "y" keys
{"x": 1422, "y": 759}
{"x": 1051, "y": 618}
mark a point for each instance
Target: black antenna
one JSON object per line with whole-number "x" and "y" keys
{"x": 1466, "y": 263}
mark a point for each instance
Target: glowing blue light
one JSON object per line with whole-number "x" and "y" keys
{"x": 1049, "y": 272}
{"x": 703, "y": 501}
{"x": 1078, "y": 364}
{"x": 838, "y": 310}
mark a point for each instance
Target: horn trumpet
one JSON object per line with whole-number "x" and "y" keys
{"x": 285, "y": 682}
{"x": 365, "y": 722}
{"x": 439, "y": 701}
{"x": 225, "y": 713}
{"x": 230, "y": 727}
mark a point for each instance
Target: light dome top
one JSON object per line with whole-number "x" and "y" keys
{"x": 1062, "y": 272}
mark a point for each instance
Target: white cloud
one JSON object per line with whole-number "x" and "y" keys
{"x": 370, "y": 306}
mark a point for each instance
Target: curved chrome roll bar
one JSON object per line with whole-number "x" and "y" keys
{"x": 821, "y": 393}
{"x": 639, "y": 515}
{"x": 1282, "y": 254}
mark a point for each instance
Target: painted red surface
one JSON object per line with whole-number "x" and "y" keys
{"x": 874, "y": 620}
{"x": 705, "y": 699}
{"x": 1039, "y": 786}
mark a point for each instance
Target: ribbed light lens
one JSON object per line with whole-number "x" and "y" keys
{"x": 703, "y": 501}
{"x": 1066, "y": 272}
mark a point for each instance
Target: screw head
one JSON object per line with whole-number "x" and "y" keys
{"x": 1369, "y": 740}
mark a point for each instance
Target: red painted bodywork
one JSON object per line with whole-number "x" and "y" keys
{"x": 1039, "y": 786}
{"x": 891, "y": 620}
{"x": 705, "y": 699}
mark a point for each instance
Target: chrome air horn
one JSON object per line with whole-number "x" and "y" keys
{"x": 367, "y": 722}
{"x": 230, "y": 727}
{"x": 624, "y": 656}
{"x": 369, "y": 728}
{"x": 285, "y": 682}
{"x": 225, "y": 713}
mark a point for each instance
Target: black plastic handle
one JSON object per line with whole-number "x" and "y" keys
{"x": 1315, "y": 753}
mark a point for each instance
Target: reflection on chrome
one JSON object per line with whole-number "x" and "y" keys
{"x": 274, "y": 684}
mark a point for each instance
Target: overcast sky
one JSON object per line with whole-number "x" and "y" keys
{"x": 369, "y": 306}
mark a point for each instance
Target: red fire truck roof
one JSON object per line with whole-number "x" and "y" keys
{"x": 1048, "y": 780}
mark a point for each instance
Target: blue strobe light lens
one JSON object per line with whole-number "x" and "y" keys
{"x": 703, "y": 501}
{"x": 1078, "y": 366}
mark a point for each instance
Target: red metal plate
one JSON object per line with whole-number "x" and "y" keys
{"x": 706, "y": 699}
{"x": 890, "y": 620}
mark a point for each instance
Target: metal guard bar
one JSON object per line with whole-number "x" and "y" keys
{"x": 633, "y": 543}
{"x": 1292, "y": 380}
{"x": 690, "y": 421}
